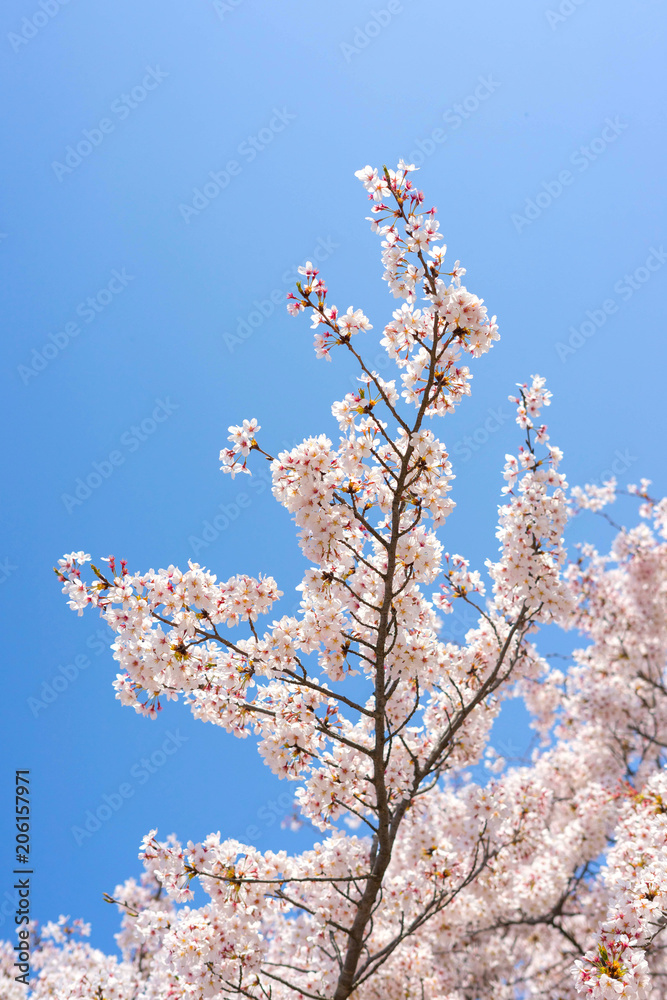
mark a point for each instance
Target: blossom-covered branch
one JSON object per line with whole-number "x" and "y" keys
{"x": 426, "y": 883}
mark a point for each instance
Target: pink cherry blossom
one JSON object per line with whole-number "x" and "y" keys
{"x": 430, "y": 876}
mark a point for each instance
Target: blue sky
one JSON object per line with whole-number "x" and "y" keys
{"x": 141, "y": 320}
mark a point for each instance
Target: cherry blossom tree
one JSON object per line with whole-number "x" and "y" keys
{"x": 548, "y": 879}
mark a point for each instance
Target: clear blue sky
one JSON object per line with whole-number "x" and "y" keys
{"x": 283, "y": 101}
